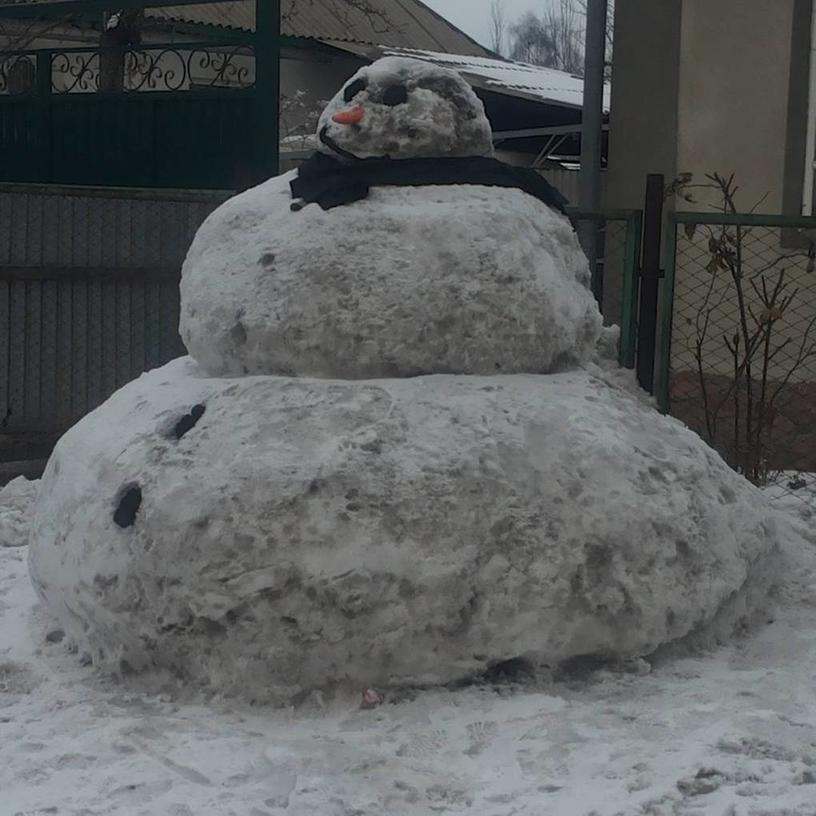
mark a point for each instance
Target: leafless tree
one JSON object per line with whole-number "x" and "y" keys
{"x": 498, "y": 26}
{"x": 610, "y": 29}
{"x": 343, "y": 10}
{"x": 555, "y": 39}
{"x": 531, "y": 41}
{"x": 566, "y": 27}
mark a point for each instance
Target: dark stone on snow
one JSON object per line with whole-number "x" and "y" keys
{"x": 188, "y": 421}
{"x": 129, "y": 504}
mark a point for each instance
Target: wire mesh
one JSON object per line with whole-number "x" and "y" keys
{"x": 742, "y": 362}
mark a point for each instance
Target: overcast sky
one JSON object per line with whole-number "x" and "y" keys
{"x": 472, "y": 16}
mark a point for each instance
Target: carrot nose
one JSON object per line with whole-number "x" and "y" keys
{"x": 353, "y": 116}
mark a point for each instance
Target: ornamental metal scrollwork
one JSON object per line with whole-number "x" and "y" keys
{"x": 80, "y": 72}
{"x": 227, "y": 72}
{"x": 164, "y": 70}
{"x": 157, "y": 69}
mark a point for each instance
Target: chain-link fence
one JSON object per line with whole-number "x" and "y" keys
{"x": 88, "y": 295}
{"x": 612, "y": 241}
{"x": 740, "y": 367}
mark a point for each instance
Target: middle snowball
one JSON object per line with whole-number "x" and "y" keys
{"x": 461, "y": 279}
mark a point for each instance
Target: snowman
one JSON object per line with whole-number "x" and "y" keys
{"x": 389, "y": 458}
{"x": 409, "y": 251}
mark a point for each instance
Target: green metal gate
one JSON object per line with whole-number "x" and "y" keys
{"x": 199, "y": 114}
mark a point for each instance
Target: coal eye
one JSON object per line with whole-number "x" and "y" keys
{"x": 395, "y": 95}
{"x": 353, "y": 89}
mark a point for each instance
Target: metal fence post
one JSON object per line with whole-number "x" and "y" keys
{"x": 649, "y": 280}
{"x": 267, "y": 88}
{"x": 667, "y": 316}
{"x": 43, "y": 97}
{"x": 629, "y": 296}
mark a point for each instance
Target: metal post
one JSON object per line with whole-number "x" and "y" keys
{"x": 43, "y": 96}
{"x": 664, "y": 380}
{"x": 650, "y": 280}
{"x": 267, "y": 88}
{"x": 629, "y": 298}
{"x": 592, "y": 116}
{"x": 589, "y": 193}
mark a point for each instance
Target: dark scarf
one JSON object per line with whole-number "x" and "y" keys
{"x": 331, "y": 183}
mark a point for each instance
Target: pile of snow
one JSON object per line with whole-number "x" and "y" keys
{"x": 412, "y": 280}
{"x": 309, "y": 534}
{"x": 16, "y": 501}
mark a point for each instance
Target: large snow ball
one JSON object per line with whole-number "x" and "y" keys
{"x": 308, "y": 533}
{"x": 411, "y": 280}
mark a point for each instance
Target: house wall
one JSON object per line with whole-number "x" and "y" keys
{"x": 734, "y": 74}
{"x": 643, "y": 118}
{"x": 699, "y": 87}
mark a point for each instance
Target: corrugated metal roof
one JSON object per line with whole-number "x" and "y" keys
{"x": 502, "y": 76}
{"x": 396, "y": 23}
{"x": 240, "y": 15}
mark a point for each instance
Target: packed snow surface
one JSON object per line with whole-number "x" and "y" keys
{"x": 314, "y": 534}
{"x": 704, "y": 733}
{"x": 407, "y": 109}
{"x": 411, "y": 280}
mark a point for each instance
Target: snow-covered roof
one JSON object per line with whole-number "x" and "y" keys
{"x": 500, "y": 75}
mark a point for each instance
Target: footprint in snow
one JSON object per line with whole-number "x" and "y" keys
{"x": 425, "y": 745}
{"x": 480, "y": 735}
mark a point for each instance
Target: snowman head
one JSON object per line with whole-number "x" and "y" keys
{"x": 402, "y": 109}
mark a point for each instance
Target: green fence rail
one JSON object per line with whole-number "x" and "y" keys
{"x": 617, "y": 245}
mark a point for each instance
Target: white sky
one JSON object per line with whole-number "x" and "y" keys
{"x": 472, "y": 16}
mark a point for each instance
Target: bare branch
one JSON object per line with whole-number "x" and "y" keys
{"x": 498, "y": 26}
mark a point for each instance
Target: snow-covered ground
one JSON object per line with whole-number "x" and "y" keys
{"x": 728, "y": 732}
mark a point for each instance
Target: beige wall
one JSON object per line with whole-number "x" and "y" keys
{"x": 701, "y": 86}
{"x": 734, "y": 74}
